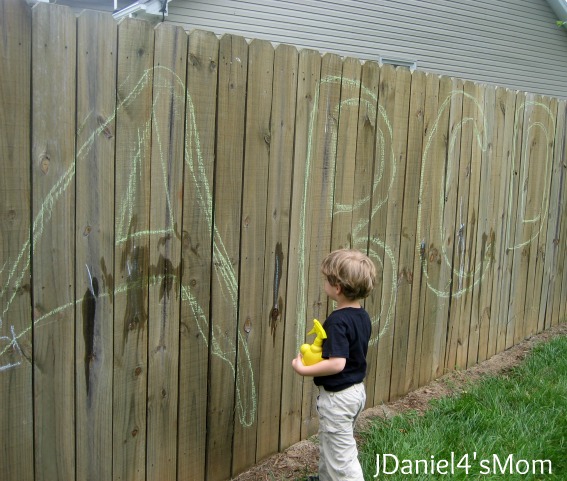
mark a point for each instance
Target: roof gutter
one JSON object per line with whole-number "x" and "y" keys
{"x": 560, "y": 8}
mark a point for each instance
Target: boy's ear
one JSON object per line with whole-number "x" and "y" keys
{"x": 339, "y": 289}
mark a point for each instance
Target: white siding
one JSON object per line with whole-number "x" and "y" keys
{"x": 513, "y": 43}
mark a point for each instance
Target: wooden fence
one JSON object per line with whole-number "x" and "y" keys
{"x": 166, "y": 200}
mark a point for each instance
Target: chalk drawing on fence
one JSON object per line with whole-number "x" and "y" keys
{"x": 11, "y": 355}
{"x": 547, "y": 163}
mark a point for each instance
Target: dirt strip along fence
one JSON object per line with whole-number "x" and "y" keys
{"x": 166, "y": 200}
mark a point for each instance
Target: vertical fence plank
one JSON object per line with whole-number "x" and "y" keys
{"x": 516, "y": 239}
{"x": 551, "y": 249}
{"x": 399, "y": 122}
{"x": 423, "y": 202}
{"x": 202, "y": 78}
{"x": 469, "y": 270}
{"x": 365, "y": 158}
{"x": 132, "y": 212}
{"x": 309, "y": 72}
{"x": 548, "y": 220}
{"x": 505, "y": 156}
{"x": 345, "y": 180}
{"x": 487, "y": 224}
{"x": 436, "y": 278}
{"x": 405, "y": 322}
{"x": 273, "y": 363}
{"x": 252, "y": 310}
{"x": 465, "y": 220}
{"x": 557, "y": 311}
{"x": 53, "y": 250}
{"x": 562, "y": 137}
{"x": 378, "y": 303}
{"x": 452, "y": 213}
{"x": 362, "y": 195}
{"x": 477, "y": 266}
{"x": 16, "y": 399}
{"x": 321, "y": 178}
{"x": 96, "y": 134}
{"x": 166, "y": 172}
{"x": 233, "y": 62}
{"x": 542, "y": 132}
{"x": 450, "y": 227}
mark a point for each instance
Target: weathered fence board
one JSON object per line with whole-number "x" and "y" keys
{"x": 309, "y": 74}
{"x": 561, "y": 139}
{"x": 345, "y": 180}
{"x": 472, "y": 232}
{"x": 430, "y": 165}
{"x": 487, "y": 220}
{"x": 252, "y": 310}
{"x": 409, "y": 264}
{"x": 131, "y": 251}
{"x": 166, "y": 173}
{"x": 16, "y": 382}
{"x": 96, "y": 104}
{"x": 273, "y": 364}
{"x": 364, "y": 169}
{"x": 559, "y": 200}
{"x": 177, "y": 194}
{"x": 553, "y": 267}
{"x": 431, "y": 215}
{"x": 319, "y": 200}
{"x": 380, "y": 352}
{"x": 517, "y": 245}
{"x": 202, "y": 78}
{"x": 53, "y": 241}
{"x": 506, "y": 128}
{"x": 233, "y": 65}
{"x": 394, "y": 212}
{"x": 452, "y": 212}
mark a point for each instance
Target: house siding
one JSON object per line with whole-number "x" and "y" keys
{"x": 513, "y": 43}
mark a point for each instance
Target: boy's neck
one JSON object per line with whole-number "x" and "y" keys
{"x": 343, "y": 302}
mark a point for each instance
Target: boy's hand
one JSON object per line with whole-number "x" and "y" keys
{"x": 297, "y": 364}
{"x": 326, "y": 367}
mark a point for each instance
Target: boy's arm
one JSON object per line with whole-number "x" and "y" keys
{"x": 326, "y": 367}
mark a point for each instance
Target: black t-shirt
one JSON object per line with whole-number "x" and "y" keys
{"x": 348, "y": 332}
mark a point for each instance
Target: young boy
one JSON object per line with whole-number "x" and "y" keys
{"x": 349, "y": 277}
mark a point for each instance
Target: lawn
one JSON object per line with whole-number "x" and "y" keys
{"x": 507, "y": 427}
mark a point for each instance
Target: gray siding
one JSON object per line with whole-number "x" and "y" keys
{"x": 513, "y": 43}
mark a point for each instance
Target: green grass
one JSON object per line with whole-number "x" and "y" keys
{"x": 522, "y": 414}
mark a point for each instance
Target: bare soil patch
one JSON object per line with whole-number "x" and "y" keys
{"x": 301, "y": 459}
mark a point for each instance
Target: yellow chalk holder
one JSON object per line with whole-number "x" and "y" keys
{"x": 312, "y": 352}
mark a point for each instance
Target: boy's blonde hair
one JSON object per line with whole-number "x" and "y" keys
{"x": 352, "y": 270}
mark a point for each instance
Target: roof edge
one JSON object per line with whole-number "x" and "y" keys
{"x": 560, "y": 8}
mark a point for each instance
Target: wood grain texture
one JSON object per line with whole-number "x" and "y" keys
{"x": 97, "y": 44}
{"x": 309, "y": 74}
{"x": 132, "y": 224}
{"x": 53, "y": 244}
{"x": 233, "y": 68}
{"x": 165, "y": 261}
{"x": 273, "y": 363}
{"x": 16, "y": 382}
{"x": 202, "y": 80}
{"x": 252, "y": 310}
{"x": 321, "y": 178}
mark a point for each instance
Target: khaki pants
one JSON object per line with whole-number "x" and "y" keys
{"x": 338, "y": 458}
